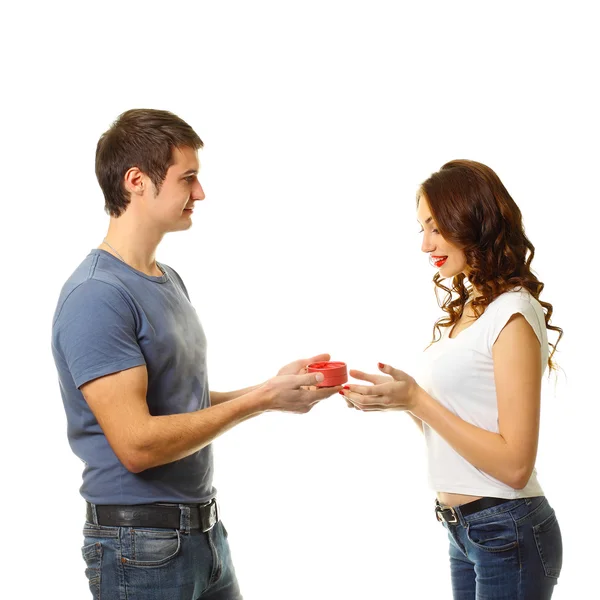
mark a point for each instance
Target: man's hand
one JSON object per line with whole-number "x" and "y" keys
{"x": 295, "y": 393}
{"x": 396, "y": 392}
{"x": 298, "y": 367}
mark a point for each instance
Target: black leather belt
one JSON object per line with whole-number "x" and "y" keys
{"x": 202, "y": 516}
{"x": 448, "y": 514}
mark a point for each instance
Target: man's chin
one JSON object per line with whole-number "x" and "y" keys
{"x": 181, "y": 226}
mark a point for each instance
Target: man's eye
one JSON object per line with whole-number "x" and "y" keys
{"x": 190, "y": 179}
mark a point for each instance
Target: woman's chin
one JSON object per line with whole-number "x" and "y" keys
{"x": 447, "y": 273}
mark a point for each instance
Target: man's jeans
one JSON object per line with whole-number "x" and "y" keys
{"x": 126, "y": 563}
{"x": 512, "y": 551}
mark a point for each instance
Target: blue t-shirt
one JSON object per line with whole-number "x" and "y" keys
{"x": 109, "y": 318}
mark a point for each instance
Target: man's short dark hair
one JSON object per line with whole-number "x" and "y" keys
{"x": 142, "y": 138}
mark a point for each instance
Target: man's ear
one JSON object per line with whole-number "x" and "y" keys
{"x": 134, "y": 181}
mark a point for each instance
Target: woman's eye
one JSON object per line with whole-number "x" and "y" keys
{"x": 421, "y": 230}
{"x": 434, "y": 231}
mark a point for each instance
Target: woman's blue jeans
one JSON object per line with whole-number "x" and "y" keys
{"x": 512, "y": 551}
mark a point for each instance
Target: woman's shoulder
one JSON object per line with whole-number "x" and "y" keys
{"x": 517, "y": 298}
{"x": 517, "y": 301}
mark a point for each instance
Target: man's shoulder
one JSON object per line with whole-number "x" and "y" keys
{"x": 88, "y": 287}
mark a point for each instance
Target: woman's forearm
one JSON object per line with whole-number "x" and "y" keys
{"x": 486, "y": 450}
{"x": 417, "y": 421}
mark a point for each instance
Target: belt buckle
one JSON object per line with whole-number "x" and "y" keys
{"x": 213, "y": 515}
{"x": 439, "y": 514}
{"x": 217, "y": 515}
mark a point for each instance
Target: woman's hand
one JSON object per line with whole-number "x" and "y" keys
{"x": 396, "y": 391}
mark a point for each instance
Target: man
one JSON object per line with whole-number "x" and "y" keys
{"x": 131, "y": 358}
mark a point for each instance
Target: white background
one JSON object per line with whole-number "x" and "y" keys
{"x": 320, "y": 119}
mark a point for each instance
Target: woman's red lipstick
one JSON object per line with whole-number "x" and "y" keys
{"x": 438, "y": 261}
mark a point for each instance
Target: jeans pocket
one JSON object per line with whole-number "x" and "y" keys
{"x": 152, "y": 547}
{"x": 92, "y": 555}
{"x": 496, "y": 533}
{"x": 548, "y": 540}
{"x": 100, "y": 531}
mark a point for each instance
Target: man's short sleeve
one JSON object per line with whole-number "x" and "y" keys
{"x": 95, "y": 332}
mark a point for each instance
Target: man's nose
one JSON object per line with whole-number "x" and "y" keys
{"x": 197, "y": 191}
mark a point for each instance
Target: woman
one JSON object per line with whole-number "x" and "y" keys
{"x": 477, "y": 399}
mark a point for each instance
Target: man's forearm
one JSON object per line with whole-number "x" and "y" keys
{"x": 220, "y": 397}
{"x": 164, "y": 439}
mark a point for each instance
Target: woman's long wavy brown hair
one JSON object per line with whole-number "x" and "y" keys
{"x": 474, "y": 211}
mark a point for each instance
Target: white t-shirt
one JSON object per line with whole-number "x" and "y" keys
{"x": 459, "y": 373}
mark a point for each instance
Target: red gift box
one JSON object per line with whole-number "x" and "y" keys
{"x": 335, "y": 373}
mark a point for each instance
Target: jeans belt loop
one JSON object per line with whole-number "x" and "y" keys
{"x": 94, "y": 514}
{"x": 184, "y": 518}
